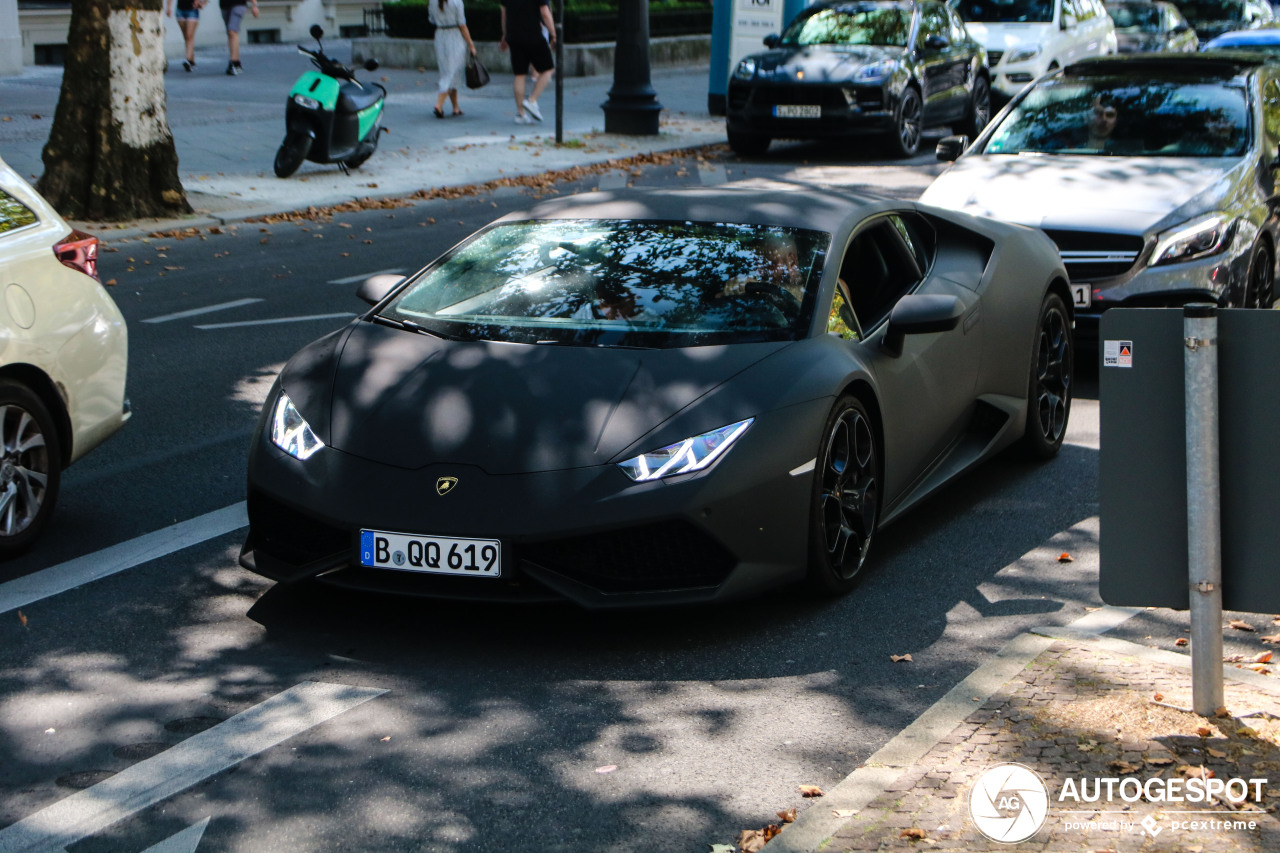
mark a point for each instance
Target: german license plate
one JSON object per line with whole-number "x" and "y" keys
{"x": 797, "y": 111}
{"x": 1081, "y": 295}
{"x": 436, "y": 555}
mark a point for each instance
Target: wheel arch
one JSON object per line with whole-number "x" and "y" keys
{"x": 1059, "y": 286}
{"x": 866, "y": 395}
{"x": 53, "y": 397}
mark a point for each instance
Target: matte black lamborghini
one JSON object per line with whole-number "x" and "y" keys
{"x": 659, "y": 397}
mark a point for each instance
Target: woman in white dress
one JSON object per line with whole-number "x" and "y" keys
{"x": 453, "y": 43}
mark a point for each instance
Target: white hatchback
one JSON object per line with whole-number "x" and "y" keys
{"x": 1026, "y": 38}
{"x": 63, "y": 357}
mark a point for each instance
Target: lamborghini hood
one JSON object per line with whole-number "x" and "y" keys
{"x": 410, "y": 400}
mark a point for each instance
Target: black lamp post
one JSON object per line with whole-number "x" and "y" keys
{"x": 633, "y": 106}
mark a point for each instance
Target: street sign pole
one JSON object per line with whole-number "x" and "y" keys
{"x": 1204, "y": 516}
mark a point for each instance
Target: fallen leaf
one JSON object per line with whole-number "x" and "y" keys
{"x": 1274, "y": 638}
{"x": 1064, "y": 557}
{"x": 810, "y": 791}
{"x": 1216, "y": 753}
{"x": 1241, "y": 625}
{"x": 385, "y": 739}
{"x": 788, "y": 816}
{"x": 912, "y": 834}
{"x": 1159, "y": 697}
{"x": 1122, "y": 767}
{"x": 1204, "y": 731}
{"x": 1160, "y": 761}
{"x": 22, "y": 617}
{"x": 723, "y": 848}
{"x": 1222, "y": 712}
{"x": 900, "y": 658}
{"x": 608, "y": 768}
{"x": 1263, "y": 657}
{"x": 1181, "y": 641}
{"x": 1257, "y": 667}
{"x": 110, "y": 282}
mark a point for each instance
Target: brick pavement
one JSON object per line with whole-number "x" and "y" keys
{"x": 1084, "y": 711}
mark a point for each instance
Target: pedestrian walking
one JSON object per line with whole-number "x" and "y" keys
{"x": 232, "y": 14}
{"x": 529, "y": 32}
{"x": 188, "y": 19}
{"x": 453, "y": 44}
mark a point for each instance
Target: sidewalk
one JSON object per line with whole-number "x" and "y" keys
{"x": 1076, "y": 710}
{"x": 227, "y": 130}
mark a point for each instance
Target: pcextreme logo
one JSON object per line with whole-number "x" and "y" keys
{"x": 1009, "y": 803}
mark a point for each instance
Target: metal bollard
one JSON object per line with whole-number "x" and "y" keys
{"x": 1204, "y": 521}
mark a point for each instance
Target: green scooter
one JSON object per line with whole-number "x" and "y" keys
{"x": 330, "y": 117}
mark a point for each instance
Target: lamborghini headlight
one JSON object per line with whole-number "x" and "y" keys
{"x": 692, "y": 454}
{"x": 1199, "y": 238}
{"x": 746, "y": 69}
{"x": 290, "y": 432}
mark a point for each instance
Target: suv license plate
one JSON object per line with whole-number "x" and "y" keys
{"x": 1081, "y": 295}
{"x": 797, "y": 111}
{"x": 436, "y": 555}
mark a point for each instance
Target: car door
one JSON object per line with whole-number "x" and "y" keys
{"x": 944, "y": 66}
{"x": 926, "y": 392}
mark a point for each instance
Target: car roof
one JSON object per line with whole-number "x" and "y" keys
{"x": 1222, "y": 65}
{"x": 1261, "y": 35}
{"x": 792, "y": 207}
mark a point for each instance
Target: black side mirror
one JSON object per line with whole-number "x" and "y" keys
{"x": 951, "y": 147}
{"x": 772, "y": 40}
{"x": 937, "y": 42}
{"x": 316, "y": 32}
{"x": 371, "y": 65}
{"x": 921, "y": 314}
{"x": 375, "y": 288}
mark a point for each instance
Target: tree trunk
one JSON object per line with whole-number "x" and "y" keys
{"x": 110, "y": 155}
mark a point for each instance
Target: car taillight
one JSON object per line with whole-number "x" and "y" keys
{"x": 79, "y": 251}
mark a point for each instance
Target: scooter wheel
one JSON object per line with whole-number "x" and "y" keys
{"x": 291, "y": 154}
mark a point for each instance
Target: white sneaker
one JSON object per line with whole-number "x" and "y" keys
{"x": 523, "y": 119}
{"x": 532, "y": 107}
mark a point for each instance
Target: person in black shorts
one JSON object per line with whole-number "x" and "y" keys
{"x": 232, "y": 14}
{"x": 524, "y": 23}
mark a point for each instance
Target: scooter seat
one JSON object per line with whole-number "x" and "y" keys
{"x": 353, "y": 99}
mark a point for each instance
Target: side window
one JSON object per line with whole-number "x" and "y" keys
{"x": 1069, "y": 13}
{"x": 933, "y": 22}
{"x": 879, "y": 268}
{"x": 1271, "y": 113}
{"x": 959, "y": 34}
{"x": 14, "y": 214}
{"x": 840, "y": 320}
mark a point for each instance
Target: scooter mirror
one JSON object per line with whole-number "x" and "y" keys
{"x": 316, "y": 32}
{"x": 371, "y": 65}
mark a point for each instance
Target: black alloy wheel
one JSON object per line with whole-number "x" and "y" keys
{"x": 1260, "y": 290}
{"x": 979, "y": 108}
{"x": 846, "y": 501}
{"x": 906, "y": 136}
{"x": 30, "y": 467}
{"x": 292, "y": 152}
{"x": 1052, "y": 366}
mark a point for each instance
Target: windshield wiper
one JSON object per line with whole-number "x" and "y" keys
{"x": 410, "y": 326}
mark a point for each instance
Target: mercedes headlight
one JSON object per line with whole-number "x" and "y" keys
{"x": 876, "y": 70}
{"x": 746, "y": 69}
{"x": 1199, "y": 238}
{"x": 683, "y": 457}
{"x": 1022, "y": 55}
{"x": 290, "y": 432}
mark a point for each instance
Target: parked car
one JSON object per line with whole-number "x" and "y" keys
{"x": 884, "y": 67}
{"x": 1026, "y": 38}
{"x": 1147, "y": 26}
{"x": 1264, "y": 39}
{"x": 63, "y": 359}
{"x": 1212, "y": 18}
{"x": 1154, "y": 174}
{"x": 658, "y": 397}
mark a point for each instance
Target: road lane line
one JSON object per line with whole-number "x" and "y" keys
{"x": 352, "y": 279}
{"x": 190, "y": 762}
{"x": 274, "y": 320}
{"x": 184, "y": 842}
{"x": 196, "y": 312}
{"x": 100, "y": 564}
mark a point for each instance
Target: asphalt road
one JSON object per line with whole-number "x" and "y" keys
{"x": 474, "y": 728}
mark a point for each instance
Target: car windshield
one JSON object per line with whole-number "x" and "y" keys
{"x": 1131, "y": 118}
{"x": 1006, "y": 11}
{"x": 1135, "y": 17}
{"x": 880, "y": 25}
{"x": 619, "y": 283}
{"x": 1212, "y": 10}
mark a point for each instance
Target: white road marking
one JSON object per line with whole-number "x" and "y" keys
{"x": 184, "y": 842}
{"x": 100, "y": 564}
{"x": 275, "y": 320}
{"x": 195, "y": 759}
{"x": 196, "y": 312}
{"x": 352, "y": 279}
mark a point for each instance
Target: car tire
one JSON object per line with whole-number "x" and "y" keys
{"x": 1049, "y": 392}
{"x": 30, "y": 467}
{"x": 1261, "y": 281}
{"x": 845, "y": 507}
{"x": 292, "y": 152}
{"x": 748, "y": 144}
{"x": 979, "y": 108}
{"x": 905, "y": 139}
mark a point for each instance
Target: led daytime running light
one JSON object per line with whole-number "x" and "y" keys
{"x": 692, "y": 454}
{"x": 290, "y": 432}
{"x": 1204, "y": 237}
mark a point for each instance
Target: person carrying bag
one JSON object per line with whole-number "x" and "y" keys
{"x": 477, "y": 74}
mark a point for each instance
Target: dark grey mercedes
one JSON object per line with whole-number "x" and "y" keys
{"x": 841, "y": 69}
